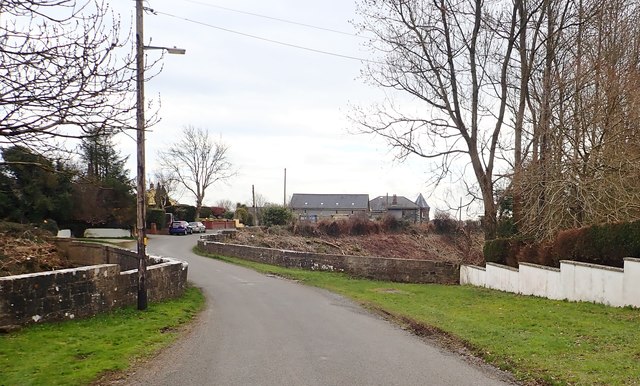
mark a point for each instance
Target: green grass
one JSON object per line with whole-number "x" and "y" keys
{"x": 538, "y": 340}
{"x": 78, "y": 352}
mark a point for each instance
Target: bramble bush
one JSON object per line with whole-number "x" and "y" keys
{"x": 392, "y": 224}
{"x": 444, "y": 224}
{"x": 304, "y": 228}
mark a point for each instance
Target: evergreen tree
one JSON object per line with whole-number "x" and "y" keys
{"x": 105, "y": 196}
{"x": 34, "y": 188}
{"x": 8, "y": 200}
{"x": 104, "y": 163}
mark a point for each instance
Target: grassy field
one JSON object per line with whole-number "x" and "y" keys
{"x": 78, "y": 352}
{"x": 538, "y": 340}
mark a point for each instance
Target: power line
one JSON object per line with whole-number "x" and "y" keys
{"x": 275, "y": 18}
{"x": 265, "y": 39}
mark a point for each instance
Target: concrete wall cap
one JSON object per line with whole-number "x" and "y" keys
{"x": 502, "y": 266}
{"x": 590, "y": 265}
{"x": 554, "y": 269}
{"x": 473, "y": 266}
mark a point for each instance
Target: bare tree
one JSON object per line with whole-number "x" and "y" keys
{"x": 226, "y": 204}
{"x": 197, "y": 161}
{"x": 260, "y": 200}
{"x": 167, "y": 188}
{"x": 583, "y": 109}
{"x": 451, "y": 58}
{"x": 65, "y": 71}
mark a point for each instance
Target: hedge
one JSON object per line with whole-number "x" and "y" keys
{"x": 604, "y": 244}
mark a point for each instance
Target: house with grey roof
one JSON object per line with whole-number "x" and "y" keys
{"x": 314, "y": 207}
{"x": 400, "y": 207}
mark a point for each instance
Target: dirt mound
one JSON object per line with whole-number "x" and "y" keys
{"x": 26, "y": 250}
{"x": 413, "y": 244}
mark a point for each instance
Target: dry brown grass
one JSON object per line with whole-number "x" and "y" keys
{"x": 24, "y": 249}
{"x": 414, "y": 242}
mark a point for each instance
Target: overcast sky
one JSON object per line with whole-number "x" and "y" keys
{"x": 276, "y": 106}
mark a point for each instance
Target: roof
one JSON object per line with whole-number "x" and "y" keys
{"x": 331, "y": 201}
{"x": 421, "y": 202}
{"x": 382, "y": 203}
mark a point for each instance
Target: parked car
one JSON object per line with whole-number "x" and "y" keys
{"x": 197, "y": 227}
{"x": 179, "y": 228}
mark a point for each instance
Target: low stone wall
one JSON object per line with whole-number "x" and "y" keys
{"x": 109, "y": 280}
{"x": 221, "y": 224}
{"x": 377, "y": 268}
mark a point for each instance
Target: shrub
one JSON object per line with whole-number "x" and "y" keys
{"x": 157, "y": 216}
{"x": 333, "y": 229}
{"x": 182, "y": 212}
{"x": 243, "y": 215}
{"x": 510, "y": 251}
{"x": 473, "y": 225}
{"x": 444, "y": 224}
{"x": 605, "y": 244}
{"x": 278, "y": 230}
{"x": 205, "y": 212}
{"x": 361, "y": 225}
{"x": 506, "y": 228}
{"x": 276, "y": 215}
{"x": 496, "y": 251}
{"x": 392, "y": 224}
{"x": 305, "y": 228}
{"x": 49, "y": 225}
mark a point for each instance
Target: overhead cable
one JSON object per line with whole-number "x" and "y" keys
{"x": 275, "y": 18}
{"x": 266, "y": 39}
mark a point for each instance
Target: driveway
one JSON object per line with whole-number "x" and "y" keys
{"x": 262, "y": 330}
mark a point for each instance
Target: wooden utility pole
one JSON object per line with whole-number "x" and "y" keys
{"x": 255, "y": 211}
{"x": 140, "y": 128}
{"x": 284, "y": 201}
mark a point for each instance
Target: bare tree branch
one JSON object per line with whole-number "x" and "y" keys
{"x": 197, "y": 161}
{"x": 67, "y": 71}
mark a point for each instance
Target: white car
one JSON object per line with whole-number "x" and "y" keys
{"x": 197, "y": 227}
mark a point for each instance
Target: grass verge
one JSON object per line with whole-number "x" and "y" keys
{"x": 538, "y": 340}
{"x": 78, "y": 352}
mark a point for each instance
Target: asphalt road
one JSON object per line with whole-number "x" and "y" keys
{"x": 262, "y": 330}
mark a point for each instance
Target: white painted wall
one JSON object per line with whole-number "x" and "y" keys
{"x": 502, "y": 277}
{"x": 574, "y": 281}
{"x": 64, "y": 233}
{"x": 538, "y": 280}
{"x": 473, "y": 275}
{"x": 592, "y": 283}
{"x": 106, "y": 232}
{"x": 631, "y": 285}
